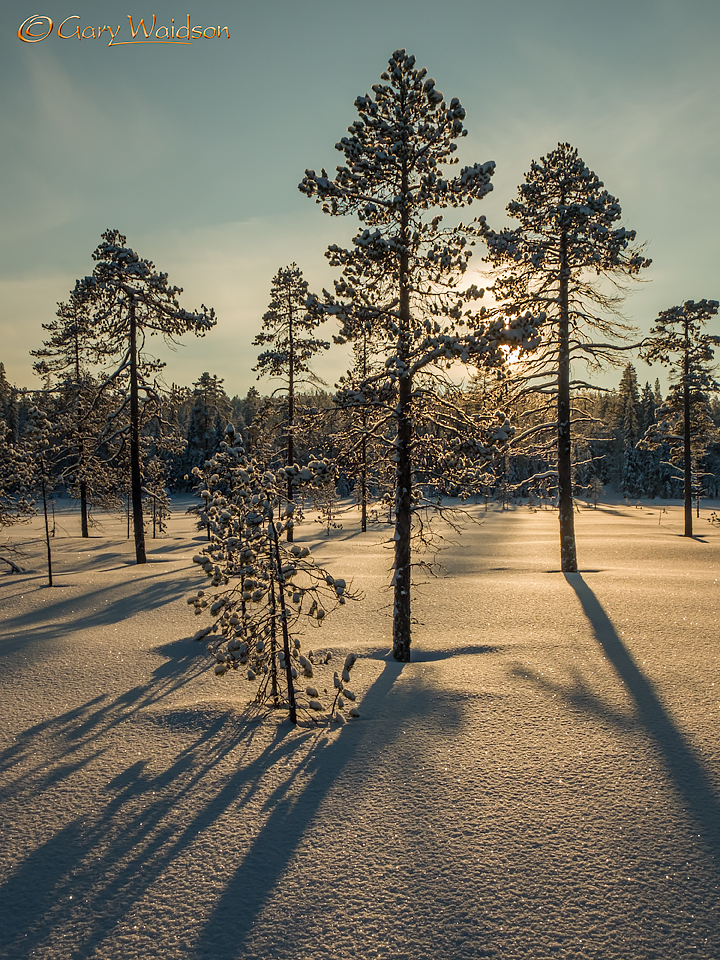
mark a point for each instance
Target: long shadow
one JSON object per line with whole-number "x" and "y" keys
{"x": 93, "y": 871}
{"x": 687, "y": 772}
{"x": 430, "y": 656}
{"x": 225, "y": 932}
{"x": 61, "y": 617}
{"x": 79, "y": 727}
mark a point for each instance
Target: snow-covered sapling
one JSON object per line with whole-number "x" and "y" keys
{"x": 263, "y": 588}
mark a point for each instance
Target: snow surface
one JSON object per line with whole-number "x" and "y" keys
{"x": 543, "y": 780}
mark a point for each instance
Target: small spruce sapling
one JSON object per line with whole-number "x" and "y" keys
{"x": 263, "y": 588}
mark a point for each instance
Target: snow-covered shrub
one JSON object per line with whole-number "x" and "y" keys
{"x": 262, "y": 588}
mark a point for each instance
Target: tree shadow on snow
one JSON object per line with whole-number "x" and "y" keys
{"x": 430, "y": 656}
{"x": 225, "y": 933}
{"x": 687, "y": 772}
{"x": 89, "y": 876}
{"x": 100, "y": 608}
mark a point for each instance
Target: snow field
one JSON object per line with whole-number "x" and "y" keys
{"x": 542, "y": 780}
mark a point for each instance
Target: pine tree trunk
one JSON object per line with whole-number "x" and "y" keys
{"x": 364, "y": 457}
{"x": 403, "y": 465}
{"x": 291, "y": 411}
{"x": 568, "y": 555}
{"x": 403, "y": 526}
{"x": 687, "y": 447}
{"x": 135, "y": 476}
{"x": 363, "y": 480}
{"x": 83, "y": 510}
{"x": 292, "y": 705}
{"x": 47, "y": 528}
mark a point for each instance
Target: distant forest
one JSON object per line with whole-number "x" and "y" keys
{"x": 183, "y": 428}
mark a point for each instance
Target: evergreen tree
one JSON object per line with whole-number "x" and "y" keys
{"x": 554, "y": 262}
{"x": 263, "y": 590}
{"x": 66, "y": 362}
{"x": 288, "y": 332}
{"x": 209, "y": 415}
{"x": 677, "y": 340}
{"x": 37, "y": 445}
{"x": 403, "y": 275}
{"x": 130, "y": 301}
{"x": 5, "y": 395}
{"x": 16, "y": 501}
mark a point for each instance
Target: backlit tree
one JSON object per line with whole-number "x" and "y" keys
{"x": 403, "y": 275}
{"x": 566, "y": 259}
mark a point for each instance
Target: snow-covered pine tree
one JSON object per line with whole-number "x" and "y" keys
{"x": 288, "y": 332}
{"x": 362, "y": 426}
{"x": 37, "y": 443}
{"x": 156, "y": 495}
{"x": 130, "y": 301}
{"x": 683, "y": 422}
{"x": 407, "y": 269}
{"x": 5, "y": 395}
{"x": 556, "y": 261}
{"x": 263, "y": 588}
{"x": 66, "y": 361}
{"x": 16, "y": 502}
{"x": 209, "y": 402}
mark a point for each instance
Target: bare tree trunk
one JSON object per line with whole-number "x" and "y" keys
{"x": 292, "y": 706}
{"x": 291, "y": 411}
{"x": 135, "y": 476}
{"x": 403, "y": 455}
{"x": 568, "y": 555}
{"x": 83, "y": 510}
{"x": 687, "y": 450}
{"x": 363, "y": 479}
{"x": 47, "y": 528}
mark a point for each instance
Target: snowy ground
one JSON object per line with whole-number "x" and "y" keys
{"x": 543, "y": 780}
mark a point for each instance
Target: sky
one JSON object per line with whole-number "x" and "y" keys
{"x": 194, "y": 151}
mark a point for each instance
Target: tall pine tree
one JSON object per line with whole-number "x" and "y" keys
{"x": 677, "y": 340}
{"x": 555, "y": 261}
{"x": 288, "y": 332}
{"x": 403, "y": 273}
{"x": 131, "y": 301}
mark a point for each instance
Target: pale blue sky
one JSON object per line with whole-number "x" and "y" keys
{"x": 195, "y": 152}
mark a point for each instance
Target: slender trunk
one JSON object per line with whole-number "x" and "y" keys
{"x": 363, "y": 480}
{"x": 83, "y": 510}
{"x": 403, "y": 453}
{"x": 135, "y": 477}
{"x": 291, "y": 410}
{"x": 47, "y": 527}
{"x": 292, "y": 706}
{"x": 568, "y": 556}
{"x": 364, "y": 451}
{"x": 273, "y": 646}
{"x": 84, "y": 531}
{"x": 687, "y": 453}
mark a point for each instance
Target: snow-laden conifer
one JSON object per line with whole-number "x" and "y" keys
{"x": 67, "y": 362}
{"x": 288, "y": 333}
{"x": 565, "y": 259}
{"x": 683, "y": 422}
{"x": 262, "y": 588}
{"x": 130, "y": 301}
{"x": 37, "y": 448}
{"x": 404, "y": 275}
{"x": 16, "y": 482}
